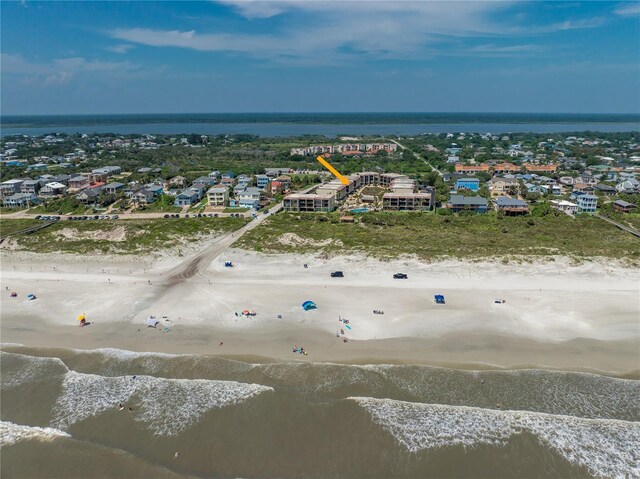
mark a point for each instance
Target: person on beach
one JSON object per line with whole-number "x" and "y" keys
{"x": 221, "y": 343}
{"x": 120, "y": 407}
{"x": 130, "y": 409}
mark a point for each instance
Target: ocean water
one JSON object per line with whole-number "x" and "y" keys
{"x": 230, "y": 418}
{"x": 325, "y": 124}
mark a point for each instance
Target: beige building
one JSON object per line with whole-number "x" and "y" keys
{"x": 406, "y": 201}
{"x": 309, "y": 203}
{"x": 503, "y": 186}
{"x": 218, "y": 196}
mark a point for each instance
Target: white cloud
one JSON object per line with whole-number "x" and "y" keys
{"x": 364, "y": 28}
{"x": 58, "y": 71}
{"x": 121, "y": 48}
{"x": 628, "y": 9}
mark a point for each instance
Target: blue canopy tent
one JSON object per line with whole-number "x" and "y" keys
{"x": 307, "y": 305}
{"x": 439, "y": 299}
{"x": 31, "y": 296}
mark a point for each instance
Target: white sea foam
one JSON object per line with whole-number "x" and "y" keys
{"x": 165, "y": 406}
{"x": 20, "y": 369}
{"x": 605, "y": 447}
{"x": 12, "y": 433}
{"x": 172, "y": 405}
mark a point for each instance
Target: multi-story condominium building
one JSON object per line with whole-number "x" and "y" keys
{"x": 504, "y": 168}
{"x": 218, "y": 196}
{"x": 336, "y": 189}
{"x": 587, "y": 203}
{"x": 387, "y": 178}
{"x": 406, "y": 201}
{"x": 309, "y": 202}
{"x": 541, "y": 168}
{"x": 460, "y": 168}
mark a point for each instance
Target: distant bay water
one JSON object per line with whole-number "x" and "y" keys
{"x": 325, "y": 124}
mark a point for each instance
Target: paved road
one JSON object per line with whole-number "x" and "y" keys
{"x": 420, "y": 157}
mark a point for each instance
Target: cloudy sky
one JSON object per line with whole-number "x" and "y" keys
{"x": 305, "y": 56}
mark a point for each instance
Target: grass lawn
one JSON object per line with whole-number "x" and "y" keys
{"x": 235, "y": 210}
{"x": 162, "y": 204}
{"x": 11, "y": 226}
{"x": 64, "y": 206}
{"x": 140, "y": 236}
{"x": 429, "y": 236}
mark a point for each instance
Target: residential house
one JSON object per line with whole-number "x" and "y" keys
{"x": 155, "y": 189}
{"x": 458, "y": 203}
{"x": 53, "y": 189}
{"x": 89, "y": 195}
{"x": 273, "y": 172}
{"x": 132, "y": 189}
{"x": 249, "y": 198}
{"x": 583, "y": 188}
{"x": 10, "y": 187}
{"x": 565, "y": 206}
{"x": 205, "y": 180}
{"x": 630, "y": 185}
{"x": 18, "y": 200}
{"x": 214, "y": 175}
{"x": 587, "y": 203}
{"x": 78, "y": 182}
{"x": 262, "y": 181}
{"x": 605, "y": 189}
{"x": 567, "y": 180}
{"x": 178, "y": 181}
{"x": 503, "y": 186}
{"x": 218, "y": 196}
{"x": 511, "y": 206}
{"x": 108, "y": 170}
{"x": 187, "y": 198}
{"x": 472, "y": 184}
{"x": 30, "y": 186}
{"x": 62, "y": 178}
{"x": 227, "y": 182}
{"x": 113, "y": 188}
{"x": 143, "y": 197}
{"x": 623, "y": 206}
{"x": 228, "y": 175}
{"x": 243, "y": 180}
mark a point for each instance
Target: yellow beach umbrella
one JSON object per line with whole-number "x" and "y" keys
{"x": 81, "y": 317}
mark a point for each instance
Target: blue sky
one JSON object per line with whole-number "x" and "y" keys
{"x": 306, "y": 56}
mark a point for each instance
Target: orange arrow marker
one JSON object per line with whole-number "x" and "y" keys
{"x": 344, "y": 180}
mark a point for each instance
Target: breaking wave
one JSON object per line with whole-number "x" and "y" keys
{"x": 605, "y": 447}
{"x": 11, "y": 433}
{"x": 164, "y": 406}
{"x": 18, "y": 369}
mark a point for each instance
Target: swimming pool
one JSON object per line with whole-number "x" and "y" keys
{"x": 360, "y": 210}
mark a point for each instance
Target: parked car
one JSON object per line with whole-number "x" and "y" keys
{"x": 215, "y": 215}
{"x": 400, "y": 276}
{"x": 115, "y": 217}
{"x": 38, "y": 217}
{"x": 337, "y": 274}
{"x": 167, "y": 215}
{"x": 186, "y": 216}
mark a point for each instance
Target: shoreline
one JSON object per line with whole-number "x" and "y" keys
{"x": 557, "y": 316}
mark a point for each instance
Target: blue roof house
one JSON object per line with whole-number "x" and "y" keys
{"x": 472, "y": 184}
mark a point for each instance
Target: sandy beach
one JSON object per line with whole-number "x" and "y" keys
{"x": 556, "y": 315}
